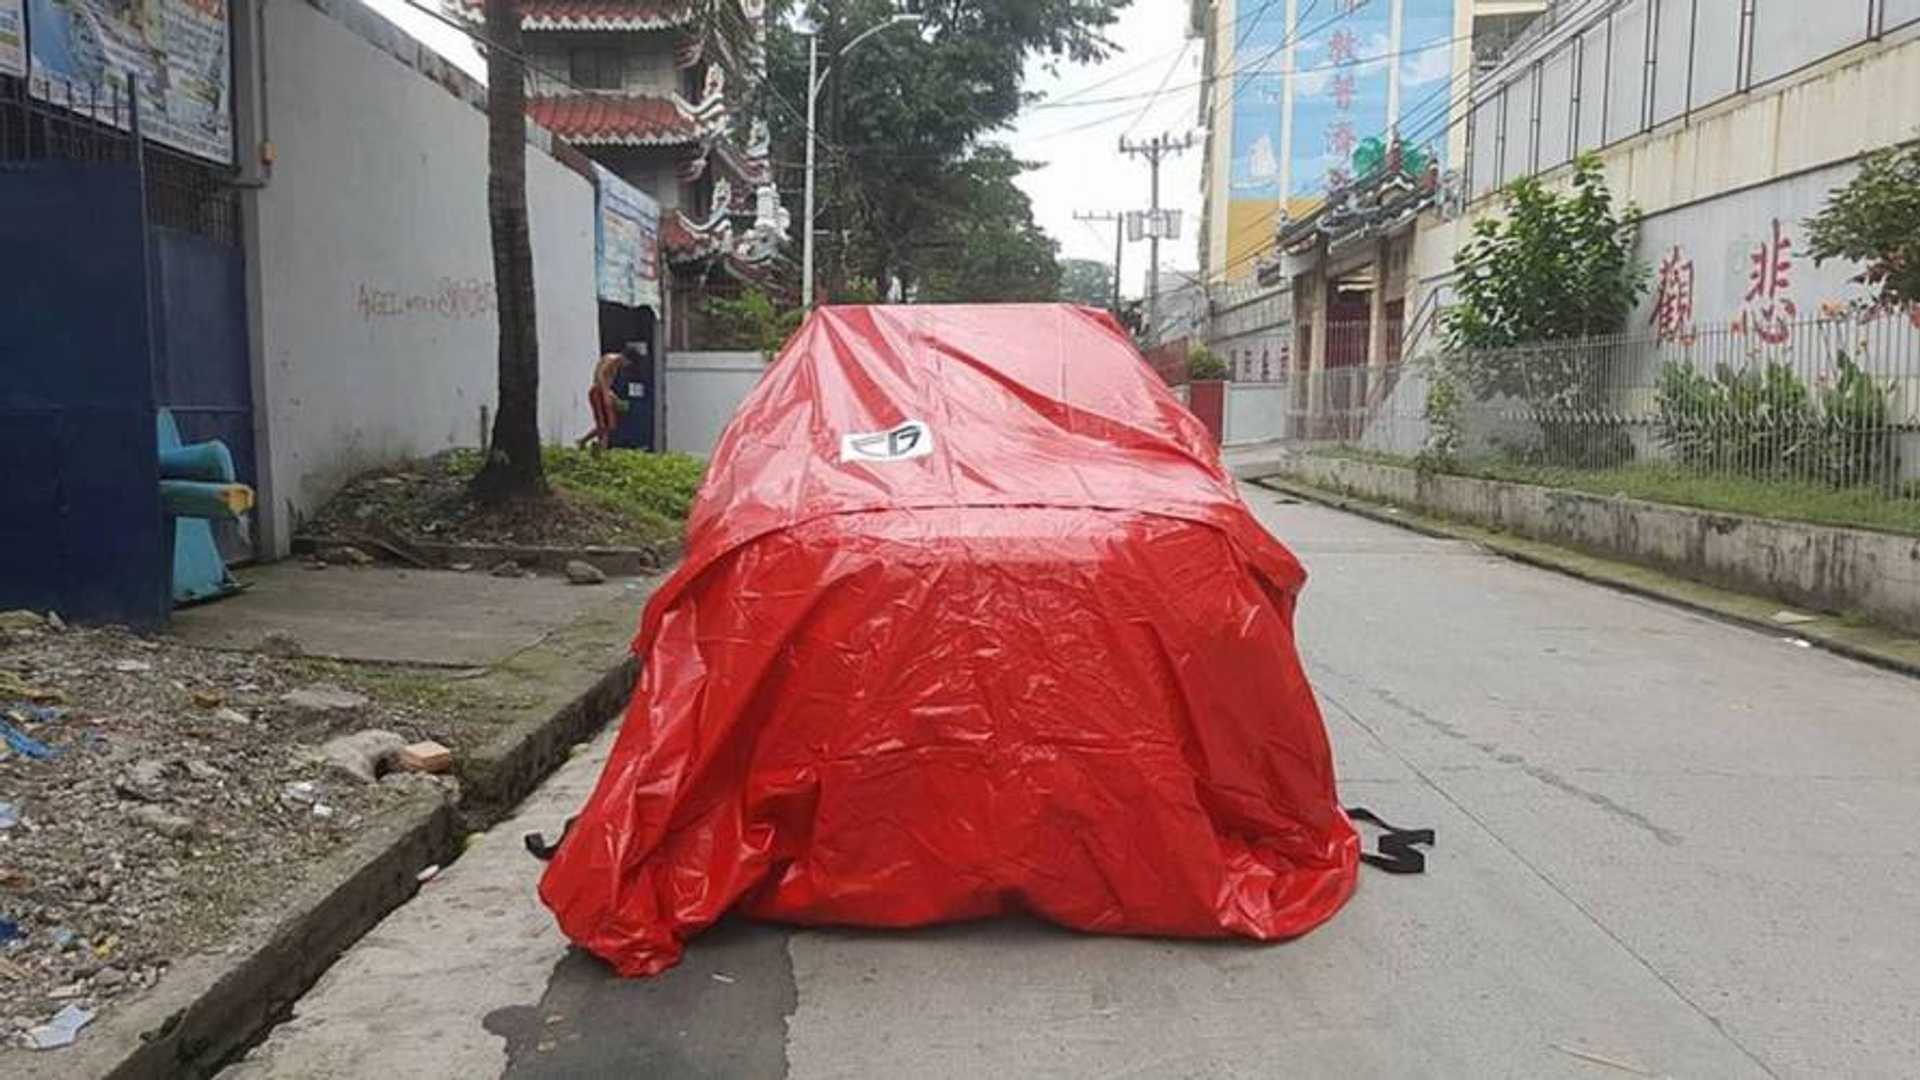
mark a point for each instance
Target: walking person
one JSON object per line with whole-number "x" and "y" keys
{"x": 606, "y": 405}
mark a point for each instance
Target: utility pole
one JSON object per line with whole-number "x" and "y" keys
{"x": 1119, "y": 233}
{"x": 1155, "y": 150}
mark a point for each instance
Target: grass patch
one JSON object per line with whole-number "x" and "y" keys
{"x": 653, "y": 490}
{"x": 620, "y": 497}
{"x": 1788, "y": 501}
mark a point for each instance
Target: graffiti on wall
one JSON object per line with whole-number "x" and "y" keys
{"x": 1738, "y": 264}
{"x": 471, "y": 298}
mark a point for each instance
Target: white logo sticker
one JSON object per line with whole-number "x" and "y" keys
{"x": 909, "y": 440}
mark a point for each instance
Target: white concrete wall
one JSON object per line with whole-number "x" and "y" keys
{"x": 1712, "y": 184}
{"x": 703, "y": 390}
{"x": 1256, "y": 412}
{"x": 378, "y": 335}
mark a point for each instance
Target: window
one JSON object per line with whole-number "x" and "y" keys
{"x": 597, "y": 69}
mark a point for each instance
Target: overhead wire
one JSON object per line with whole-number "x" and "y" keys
{"x": 1463, "y": 78}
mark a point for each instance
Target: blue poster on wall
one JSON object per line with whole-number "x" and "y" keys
{"x": 626, "y": 242}
{"x": 84, "y": 52}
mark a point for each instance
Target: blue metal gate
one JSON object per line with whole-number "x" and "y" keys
{"x": 121, "y": 292}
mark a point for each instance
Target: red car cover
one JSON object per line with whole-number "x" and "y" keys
{"x": 971, "y": 621}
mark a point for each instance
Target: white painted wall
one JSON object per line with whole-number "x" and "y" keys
{"x": 703, "y": 390}
{"x": 1256, "y": 412}
{"x": 378, "y": 334}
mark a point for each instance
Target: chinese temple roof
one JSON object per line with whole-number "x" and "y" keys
{"x": 614, "y": 120}
{"x": 598, "y": 14}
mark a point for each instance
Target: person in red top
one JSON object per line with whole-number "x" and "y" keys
{"x": 606, "y": 405}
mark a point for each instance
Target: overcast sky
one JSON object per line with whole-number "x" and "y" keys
{"x": 1077, "y": 144}
{"x": 1074, "y": 137}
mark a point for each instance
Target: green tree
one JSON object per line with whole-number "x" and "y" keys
{"x": 1086, "y": 281}
{"x": 755, "y": 321}
{"x": 993, "y": 251}
{"x": 901, "y": 117}
{"x": 1553, "y": 269}
{"x": 1875, "y": 220}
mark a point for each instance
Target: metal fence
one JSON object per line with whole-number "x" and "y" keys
{"x": 1832, "y": 402}
{"x": 98, "y": 124}
{"x": 1596, "y": 73}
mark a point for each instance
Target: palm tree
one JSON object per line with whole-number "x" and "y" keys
{"x": 512, "y": 469}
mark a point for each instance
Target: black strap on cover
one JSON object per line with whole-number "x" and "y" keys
{"x": 1396, "y": 853}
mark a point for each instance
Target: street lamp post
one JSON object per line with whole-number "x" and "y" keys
{"x": 814, "y": 82}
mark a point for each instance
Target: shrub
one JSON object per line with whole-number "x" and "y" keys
{"x": 1766, "y": 423}
{"x": 1202, "y": 364}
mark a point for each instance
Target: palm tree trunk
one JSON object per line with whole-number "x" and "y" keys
{"x": 512, "y": 468}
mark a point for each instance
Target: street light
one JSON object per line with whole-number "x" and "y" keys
{"x": 814, "y": 82}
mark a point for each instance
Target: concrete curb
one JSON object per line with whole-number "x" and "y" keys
{"x": 215, "y": 1004}
{"x": 618, "y": 561}
{"x": 211, "y": 1005}
{"x": 1427, "y": 526}
{"x": 497, "y": 776}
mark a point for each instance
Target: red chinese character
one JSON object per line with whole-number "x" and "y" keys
{"x": 1673, "y": 299}
{"x": 1343, "y": 90}
{"x": 1343, "y": 47}
{"x": 1767, "y": 284}
{"x": 1341, "y": 138}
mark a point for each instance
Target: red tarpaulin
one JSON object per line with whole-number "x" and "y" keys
{"x": 971, "y": 621}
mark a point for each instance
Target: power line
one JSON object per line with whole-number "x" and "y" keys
{"x": 1151, "y": 98}
{"x": 1464, "y": 78}
{"x": 1363, "y": 61}
{"x": 1061, "y": 100}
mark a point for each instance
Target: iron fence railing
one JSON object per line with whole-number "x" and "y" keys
{"x": 97, "y": 124}
{"x": 1833, "y": 402}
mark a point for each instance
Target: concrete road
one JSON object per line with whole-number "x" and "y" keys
{"x": 1668, "y": 847}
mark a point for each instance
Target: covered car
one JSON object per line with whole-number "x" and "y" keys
{"x": 971, "y": 621}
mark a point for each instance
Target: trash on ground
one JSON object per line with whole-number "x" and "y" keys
{"x": 23, "y": 744}
{"x": 581, "y": 572}
{"x": 1793, "y": 618}
{"x": 145, "y": 780}
{"x": 9, "y": 816}
{"x": 281, "y": 643}
{"x": 720, "y": 978}
{"x": 426, "y": 756}
{"x": 346, "y": 555}
{"x": 171, "y": 826}
{"x": 362, "y": 755}
{"x": 427, "y": 874}
{"x": 131, "y": 667}
{"x": 61, "y": 1030}
{"x": 9, "y": 930}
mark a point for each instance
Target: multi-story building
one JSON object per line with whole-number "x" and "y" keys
{"x": 1364, "y": 100}
{"x": 662, "y": 94}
